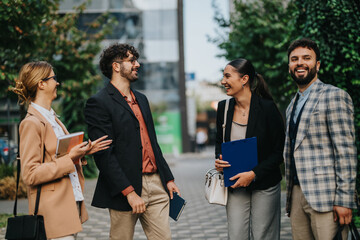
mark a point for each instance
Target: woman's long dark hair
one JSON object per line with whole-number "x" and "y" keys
{"x": 256, "y": 81}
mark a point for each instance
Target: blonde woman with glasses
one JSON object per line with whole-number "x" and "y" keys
{"x": 62, "y": 180}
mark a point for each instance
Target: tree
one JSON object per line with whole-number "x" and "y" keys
{"x": 258, "y": 31}
{"x": 21, "y": 26}
{"x": 33, "y": 30}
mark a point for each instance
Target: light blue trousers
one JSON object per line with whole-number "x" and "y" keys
{"x": 255, "y": 214}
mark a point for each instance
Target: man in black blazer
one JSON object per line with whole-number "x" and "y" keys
{"x": 134, "y": 178}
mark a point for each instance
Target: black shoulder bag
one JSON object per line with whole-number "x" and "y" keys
{"x": 26, "y": 227}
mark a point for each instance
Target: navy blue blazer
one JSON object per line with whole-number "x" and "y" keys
{"x": 266, "y": 123}
{"x": 108, "y": 113}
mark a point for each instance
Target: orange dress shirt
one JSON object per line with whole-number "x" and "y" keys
{"x": 148, "y": 164}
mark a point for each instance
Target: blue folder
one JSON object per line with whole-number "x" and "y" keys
{"x": 241, "y": 155}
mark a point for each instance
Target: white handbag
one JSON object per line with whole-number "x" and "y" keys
{"x": 215, "y": 190}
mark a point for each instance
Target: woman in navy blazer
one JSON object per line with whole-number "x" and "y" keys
{"x": 255, "y": 197}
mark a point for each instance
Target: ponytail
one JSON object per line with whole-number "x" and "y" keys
{"x": 21, "y": 91}
{"x": 261, "y": 87}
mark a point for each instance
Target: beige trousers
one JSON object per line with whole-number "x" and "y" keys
{"x": 306, "y": 223}
{"x": 155, "y": 220}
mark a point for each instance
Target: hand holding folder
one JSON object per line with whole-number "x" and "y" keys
{"x": 241, "y": 155}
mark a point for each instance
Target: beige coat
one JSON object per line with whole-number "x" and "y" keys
{"x": 57, "y": 201}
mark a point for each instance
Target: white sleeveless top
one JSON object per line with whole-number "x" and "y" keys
{"x": 238, "y": 131}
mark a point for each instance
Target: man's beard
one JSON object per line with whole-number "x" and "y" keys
{"x": 306, "y": 80}
{"x": 128, "y": 75}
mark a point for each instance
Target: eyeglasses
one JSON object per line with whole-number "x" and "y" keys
{"x": 54, "y": 77}
{"x": 132, "y": 61}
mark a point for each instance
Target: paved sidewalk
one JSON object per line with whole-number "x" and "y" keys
{"x": 199, "y": 220}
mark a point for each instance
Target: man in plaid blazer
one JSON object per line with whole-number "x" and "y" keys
{"x": 320, "y": 153}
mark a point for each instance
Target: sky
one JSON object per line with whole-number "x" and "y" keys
{"x": 200, "y": 55}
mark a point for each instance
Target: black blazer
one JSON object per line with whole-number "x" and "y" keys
{"x": 266, "y": 123}
{"x": 108, "y": 113}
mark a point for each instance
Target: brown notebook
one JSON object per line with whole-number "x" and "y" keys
{"x": 66, "y": 142}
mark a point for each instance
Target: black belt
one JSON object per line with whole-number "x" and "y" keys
{"x": 149, "y": 173}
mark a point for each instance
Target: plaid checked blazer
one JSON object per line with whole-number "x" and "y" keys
{"x": 325, "y": 151}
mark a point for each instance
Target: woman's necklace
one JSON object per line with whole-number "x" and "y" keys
{"x": 242, "y": 109}
{"x": 242, "y": 112}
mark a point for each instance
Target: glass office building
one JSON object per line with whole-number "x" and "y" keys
{"x": 152, "y": 27}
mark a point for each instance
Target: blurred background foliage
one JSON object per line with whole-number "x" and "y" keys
{"x": 259, "y": 32}
{"x": 33, "y": 30}
{"x": 262, "y": 30}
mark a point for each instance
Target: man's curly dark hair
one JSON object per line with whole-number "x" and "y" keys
{"x": 115, "y": 52}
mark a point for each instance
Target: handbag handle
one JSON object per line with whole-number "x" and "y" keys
{"x": 354, "y": 232}
{"x": 17, "y": 186}
{"x": 225, "y": 116}
{"x": 211, "y": 172}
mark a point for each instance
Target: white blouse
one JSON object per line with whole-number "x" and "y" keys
{"x": 74, "y": 177}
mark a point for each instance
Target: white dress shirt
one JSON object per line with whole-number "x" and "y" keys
{"x": 74, "y": 177}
